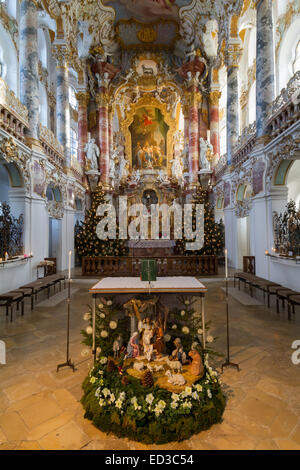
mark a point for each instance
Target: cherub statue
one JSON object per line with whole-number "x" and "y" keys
{"x": 92, "y": 154}
{"x": 163, "y": 177}
{"x": 136, "y": 177}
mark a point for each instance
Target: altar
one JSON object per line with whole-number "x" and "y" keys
{"x": 173, "y": 285}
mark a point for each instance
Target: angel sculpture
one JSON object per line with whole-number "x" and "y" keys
{"x": 205, "y": 147}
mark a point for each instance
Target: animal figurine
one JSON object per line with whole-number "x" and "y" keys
{"x": 138, "y": 366}
{"x": 175, "y": 379}
{"x": 196, "y": 368}
{"x": 175, "y": 365}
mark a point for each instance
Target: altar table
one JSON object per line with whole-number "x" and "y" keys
{"x": 163, "y": 285}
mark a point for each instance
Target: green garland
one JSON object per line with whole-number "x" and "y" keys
{"x": 150, "y": 415}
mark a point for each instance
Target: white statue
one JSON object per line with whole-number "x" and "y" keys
{"x": 123, "y": 168}
{"x": 112, "y": 168}
{"x": 205, "y": 147}
{"x": 136, "y": 177}
{"x": 163, "y": 177}
{"x": 103, "y": 81}
{"x": 92, "y": 154}
{"x": 210, "y": 38}
{"x": 177, "y": 170}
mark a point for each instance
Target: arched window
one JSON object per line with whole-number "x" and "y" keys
{"x": 72, "y": 98}
{"x": 296, "y": 64}
{"x": 74, "y": 144}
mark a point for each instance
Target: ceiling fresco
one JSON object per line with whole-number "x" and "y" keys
{"x": 146, "y": 10}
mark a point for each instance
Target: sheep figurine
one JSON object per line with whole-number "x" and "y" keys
{"x": 175, "y": 365}
{"x": 175, "y": 379}
{"x": 149, "y": 367}
{"x": 138, "y": 366}
{"x": 158, "y": 368}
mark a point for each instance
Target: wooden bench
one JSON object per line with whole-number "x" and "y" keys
{"x": 9, "y": 299}
{"x": 292, "y": 301}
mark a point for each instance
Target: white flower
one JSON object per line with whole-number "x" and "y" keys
{"x": 103, "y": 360}
{"x": 101, "y": 402}
{"x": 199, "y": 331}
{"x": 198, "y": 387}
{"x": 174, "y": 327}
{"x": 112, "y": 397}
{"x": 100, "y": 306}
{"x": 89, "y": 330}
{"x": 174, "y": 404}
{"x": 209, "y": 339}
{"x": 185, "y": 330}
{"x": 182, "y": 313}
{"x": 85, "y": 352}
{"x": 188, "y": 390}
{"x": 195, "y": 396}
{"x": 98, "y": 350}
{"x": 209, "y": 393}
{"x": 93, "y": 380}
{"x": 122, "y": 395}
{"x": 175, "y": 396}
{"x": 149, "y": 398}
{"x": 113, "y": 325}
{"x": 109, "y": 303}
{"x": 187, "y": 302}
{"x": 102, "y": 315}
{"x": 162, "y": 404}
{"x": 119, "y": 403}
{"x": 87, "y": 316}
{"x": 167, "y": 338}
{"x": 106, "y": 392}
{"x": 104, "y": 334}
{"x": 187, "y": 404}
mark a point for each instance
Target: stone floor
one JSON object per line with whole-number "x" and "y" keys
{"x": 40, "y": 409}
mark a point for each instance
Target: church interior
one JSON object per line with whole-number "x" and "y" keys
{"x": 149, "y": 225}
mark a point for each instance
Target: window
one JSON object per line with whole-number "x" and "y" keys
{"x": 74, "y": 144}
{"x": 72, "y": 98}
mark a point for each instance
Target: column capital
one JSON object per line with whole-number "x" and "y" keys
{"x": 102, "y": 99}
{"x": 60, "y": 54}
{"x": 83, "y": 98}
{"x": 233, "y": 53}
{"x": 214, "y": 97}
{"x": 192, "y": 99}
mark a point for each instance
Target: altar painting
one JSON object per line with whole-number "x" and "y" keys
{"x": 149, "y": 139}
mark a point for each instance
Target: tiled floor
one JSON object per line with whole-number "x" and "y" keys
{"x": 40, "y": 409}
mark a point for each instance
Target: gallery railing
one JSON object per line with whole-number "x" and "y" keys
{"x": 167, "y": 266}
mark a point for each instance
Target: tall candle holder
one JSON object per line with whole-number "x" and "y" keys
{"x": 227, "y": 363}
{"x": 68, "y": 362}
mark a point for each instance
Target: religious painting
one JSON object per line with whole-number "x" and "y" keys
{"x": 146, "y": 10}
{"x": 257, "y": 176}
{"x": 39, "y": 179}
{"x": 149, "y": 139}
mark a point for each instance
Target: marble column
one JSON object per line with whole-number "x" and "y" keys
{"x": 28, "y": 57}
{"x": 203, "y": 121}
{"x": 110, "y": 130}
{"x": 233, "y": 57}
{"x": 103, "y": 125}
{"x": 265, "y": 90}
{"x": 193, "y": 137}
{"x": 83, "y": 99}
{"x": 63, "y": 120}
{"x": 214, "y": 98}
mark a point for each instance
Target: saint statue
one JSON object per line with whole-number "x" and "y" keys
{"x": 177, "y": 168}
{"x": 123, "y": 168}
{"x": 205, "y": 148}
{"x": 147, "y": 328}
{"x": 92, "y": 154}
{"x": 133, "y": 346}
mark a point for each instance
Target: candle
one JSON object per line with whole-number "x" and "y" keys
{"x": 70, "y": 256}
{"x": 226, "y": 264}
{"x": 6, "y": 256}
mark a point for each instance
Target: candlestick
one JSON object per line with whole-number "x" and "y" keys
{"x": 70, "y": 256}
{"x": 226, "y": 264}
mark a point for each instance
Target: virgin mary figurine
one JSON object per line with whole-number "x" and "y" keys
{"x": 133, "y": 345}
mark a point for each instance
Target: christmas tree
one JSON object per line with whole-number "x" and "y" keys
{"x": 214, "y": 232}
{"x": 86, "y": 241}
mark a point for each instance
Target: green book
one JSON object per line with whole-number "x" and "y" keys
{"x": 148, "y": 270}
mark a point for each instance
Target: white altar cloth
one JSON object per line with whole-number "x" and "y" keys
{"x": 176, "y": 284}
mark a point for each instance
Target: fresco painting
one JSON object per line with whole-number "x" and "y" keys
{"x": 146, "y": 10}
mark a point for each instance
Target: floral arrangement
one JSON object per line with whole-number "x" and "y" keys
{"x": 120, "y": 403}
{"x": 150, "y": 415}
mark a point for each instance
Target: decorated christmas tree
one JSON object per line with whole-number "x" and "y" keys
{"x": 214, "y": 232}
{"x": 87, "y": 242}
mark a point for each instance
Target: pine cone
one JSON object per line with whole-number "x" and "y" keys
{"x": 147, "y": 380}
{"x": 110, "y": 365}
